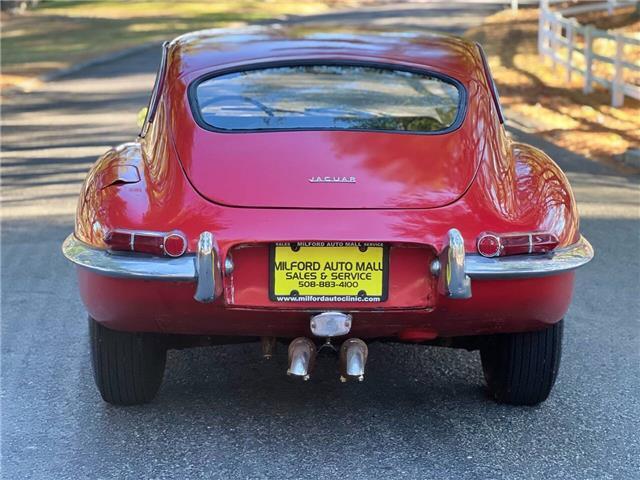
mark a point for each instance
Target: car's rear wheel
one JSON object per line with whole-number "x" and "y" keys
{"x": 127, "y": 367}
{"x": 521, "y": 368}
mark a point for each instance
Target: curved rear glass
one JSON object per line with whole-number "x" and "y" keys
{"x": 342, "y": 97}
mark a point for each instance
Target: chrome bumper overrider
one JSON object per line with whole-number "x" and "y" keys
{"x": 453, "y": 266}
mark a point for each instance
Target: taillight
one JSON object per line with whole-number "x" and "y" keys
{"x": 495, "y": 245}
{"x": 172, "y": 244}
{"x": 175, "y": 244}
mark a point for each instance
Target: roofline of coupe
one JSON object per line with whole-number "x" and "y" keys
{"x": 189, "y": 51}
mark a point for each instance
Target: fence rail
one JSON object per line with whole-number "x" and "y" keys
{"x": 560, "y": 37}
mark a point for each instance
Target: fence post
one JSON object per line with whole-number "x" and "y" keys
{"x": 543, "y": 24}
{"x": 617, "y": 86}
{"x": 556, "y": 33}
{"x": 569, "y": 52}
{"x": 541, "y": 32}
{"x": 588, "y": 59}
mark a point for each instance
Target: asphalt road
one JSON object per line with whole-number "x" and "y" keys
{"x": 225, "y": 413}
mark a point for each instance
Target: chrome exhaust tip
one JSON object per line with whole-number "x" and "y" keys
{"x": 302, "y": 356}
{"x": 353, "y": 357}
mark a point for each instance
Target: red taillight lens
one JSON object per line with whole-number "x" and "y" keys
{"x": 119, "y": 240}
{"x": 175, "y": 244}
{"x": 172, "y": 244}
{"x": 489, "y": 245}
{"x": 494, "y": 245}
{"x": 148, "y": 243}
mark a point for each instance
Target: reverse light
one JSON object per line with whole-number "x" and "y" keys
{"x": 171, "y": 244}
{"x": 502, "y": 245}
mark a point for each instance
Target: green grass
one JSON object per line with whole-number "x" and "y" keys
{"x": 60, "y": 33}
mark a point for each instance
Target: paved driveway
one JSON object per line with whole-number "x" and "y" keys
{"x": 225, "y": 413}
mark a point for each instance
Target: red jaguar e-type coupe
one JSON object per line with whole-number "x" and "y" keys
{"x": 326, "y": 190}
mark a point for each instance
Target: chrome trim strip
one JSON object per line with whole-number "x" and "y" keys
{"x": 129, "y": 266}
{"x": 560, "y": 260}
{"x": 156, "y": 93}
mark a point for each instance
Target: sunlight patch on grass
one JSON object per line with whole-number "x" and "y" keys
{"x": 552, "y": 119}
{"x": 194, "y": 9}
{"x": 600, "y": 145}
{"x": 26, "y": 83}
{"x": 153, "y": 27}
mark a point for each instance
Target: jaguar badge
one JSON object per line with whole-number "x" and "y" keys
{"x": 332, "y": 179}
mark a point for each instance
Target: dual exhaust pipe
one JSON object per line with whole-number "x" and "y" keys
{"x": 353, "y": 358}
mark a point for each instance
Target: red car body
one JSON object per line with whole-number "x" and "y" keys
{"x": 251, "y": 189}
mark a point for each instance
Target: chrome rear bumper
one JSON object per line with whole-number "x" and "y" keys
{"x": 536, "y": 265}
{"x": 129, "y": 266}
{"x": 454, "y": 267}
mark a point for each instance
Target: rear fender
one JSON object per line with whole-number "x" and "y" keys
{"x": 526, "y": 192}
{"x": 116, "y": 170}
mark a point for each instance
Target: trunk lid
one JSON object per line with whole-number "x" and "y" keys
{"x": 329, "y": 169}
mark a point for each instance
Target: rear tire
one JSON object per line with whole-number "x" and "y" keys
{"x": 127, "y": 367}
{"x": 521, "y": 368}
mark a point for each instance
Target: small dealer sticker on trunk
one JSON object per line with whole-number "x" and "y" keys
{"x": 329, "y": 272}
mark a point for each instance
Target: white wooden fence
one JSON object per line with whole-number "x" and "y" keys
{"x": 558, "y": 36}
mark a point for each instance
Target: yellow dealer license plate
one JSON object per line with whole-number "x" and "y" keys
{"x": 329, "y": 272}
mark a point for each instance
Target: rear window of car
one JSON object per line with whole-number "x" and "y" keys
{"x": 342, "y": 97}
